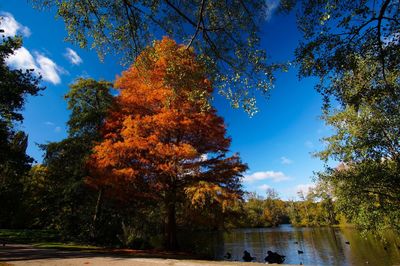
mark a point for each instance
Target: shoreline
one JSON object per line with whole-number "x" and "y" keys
{"x": 22, "y": 254}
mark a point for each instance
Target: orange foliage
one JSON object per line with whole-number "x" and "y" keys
{"x": 164, "y": 138}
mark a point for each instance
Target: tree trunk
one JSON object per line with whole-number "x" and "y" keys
{"x": 171, "y": 242}
{"x": 96, "y": 214}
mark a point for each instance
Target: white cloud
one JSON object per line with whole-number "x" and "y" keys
{"x": 12, "y": 27}
{"x": 264, "y": 187}
{"x": 304, "y": 188}
{"x": 73, "y": 57}
{"x": 23, "y": 59}
{"x": 271, "y": 6}
{"x": 271, "y": 175}
{"x": 48, "y": 69}
{"x": 57, "y": 129}
{"x": 285, "y": 160}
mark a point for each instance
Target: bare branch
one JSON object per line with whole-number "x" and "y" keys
{"x": 382, "y": 54}
{"x": 131, "y": 30}
{"x": 198, "y": 24}
{"x": 203, "y": 28}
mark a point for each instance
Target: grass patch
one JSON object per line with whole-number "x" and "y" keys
{"x": 27, "y": 236}
{"x": 69, "y": 246}
{"x": 40, "y": 239}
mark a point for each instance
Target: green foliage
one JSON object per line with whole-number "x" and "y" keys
{"x": 65, "y": 200}
{"x": 59, "y": 195}
{"x": 368, "y": 194}
{"x": 353, "y": 47}
{"x": 89, "y": 101}
{"x": 67, "y": 246}
{"x": 253, "y": 212}
{"x": 226, "y": 35}
{"x": 367, "y": 123}
{"x": 66, "y": 196}
{"x": 263, "y": 212}
{"x": 134, "y": 237}
{"x": 274, "y": 208}
{"x": 367, "y": 142}
{"x": 36, "y": 197}
{"x": 15, "y": 85}
{"x": 317, "y": 208}
{"x": 335, "y": 32}
{"x": 27, "y": 236}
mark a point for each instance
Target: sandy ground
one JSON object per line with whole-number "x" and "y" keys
{"x": 28, "y": 255}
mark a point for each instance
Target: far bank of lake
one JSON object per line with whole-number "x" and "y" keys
{"x": 320, "y": 246}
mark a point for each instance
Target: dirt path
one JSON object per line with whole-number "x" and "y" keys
{"x": 28, "y": 255}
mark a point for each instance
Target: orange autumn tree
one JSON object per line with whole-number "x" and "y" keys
{"x": 164, "y": 140}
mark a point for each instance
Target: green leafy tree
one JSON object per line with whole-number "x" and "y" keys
{"x": 89, "y": 101}
{"x": 274, "y": 208}
{"x": 37, "y": 197}
{"x": 263, "y": 212}
{"x": 225, "y": 35}
{"x": 253, "y": 211}
{"x": 15, "y": 85}
{"x": 65, "y": 161}
{"x": 315, "y": 208}
{"x": 353, "y": 47}
{"x": 323, "y": 194}
{"x": 12, "y": 171}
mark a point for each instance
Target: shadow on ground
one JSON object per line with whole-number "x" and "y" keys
{"x": 20, "y": 252}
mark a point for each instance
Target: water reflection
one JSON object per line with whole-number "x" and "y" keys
{"x": 319, "y": 246}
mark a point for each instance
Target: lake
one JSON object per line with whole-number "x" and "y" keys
{"x": 320, "y": 246}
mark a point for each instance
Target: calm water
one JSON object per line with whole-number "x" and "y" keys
{"x": 321, "y": 246}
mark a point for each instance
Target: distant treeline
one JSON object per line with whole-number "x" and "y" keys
{"x": 313, "y": 209}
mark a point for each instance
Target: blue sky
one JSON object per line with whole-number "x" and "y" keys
{"x": 276, "y": 143}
